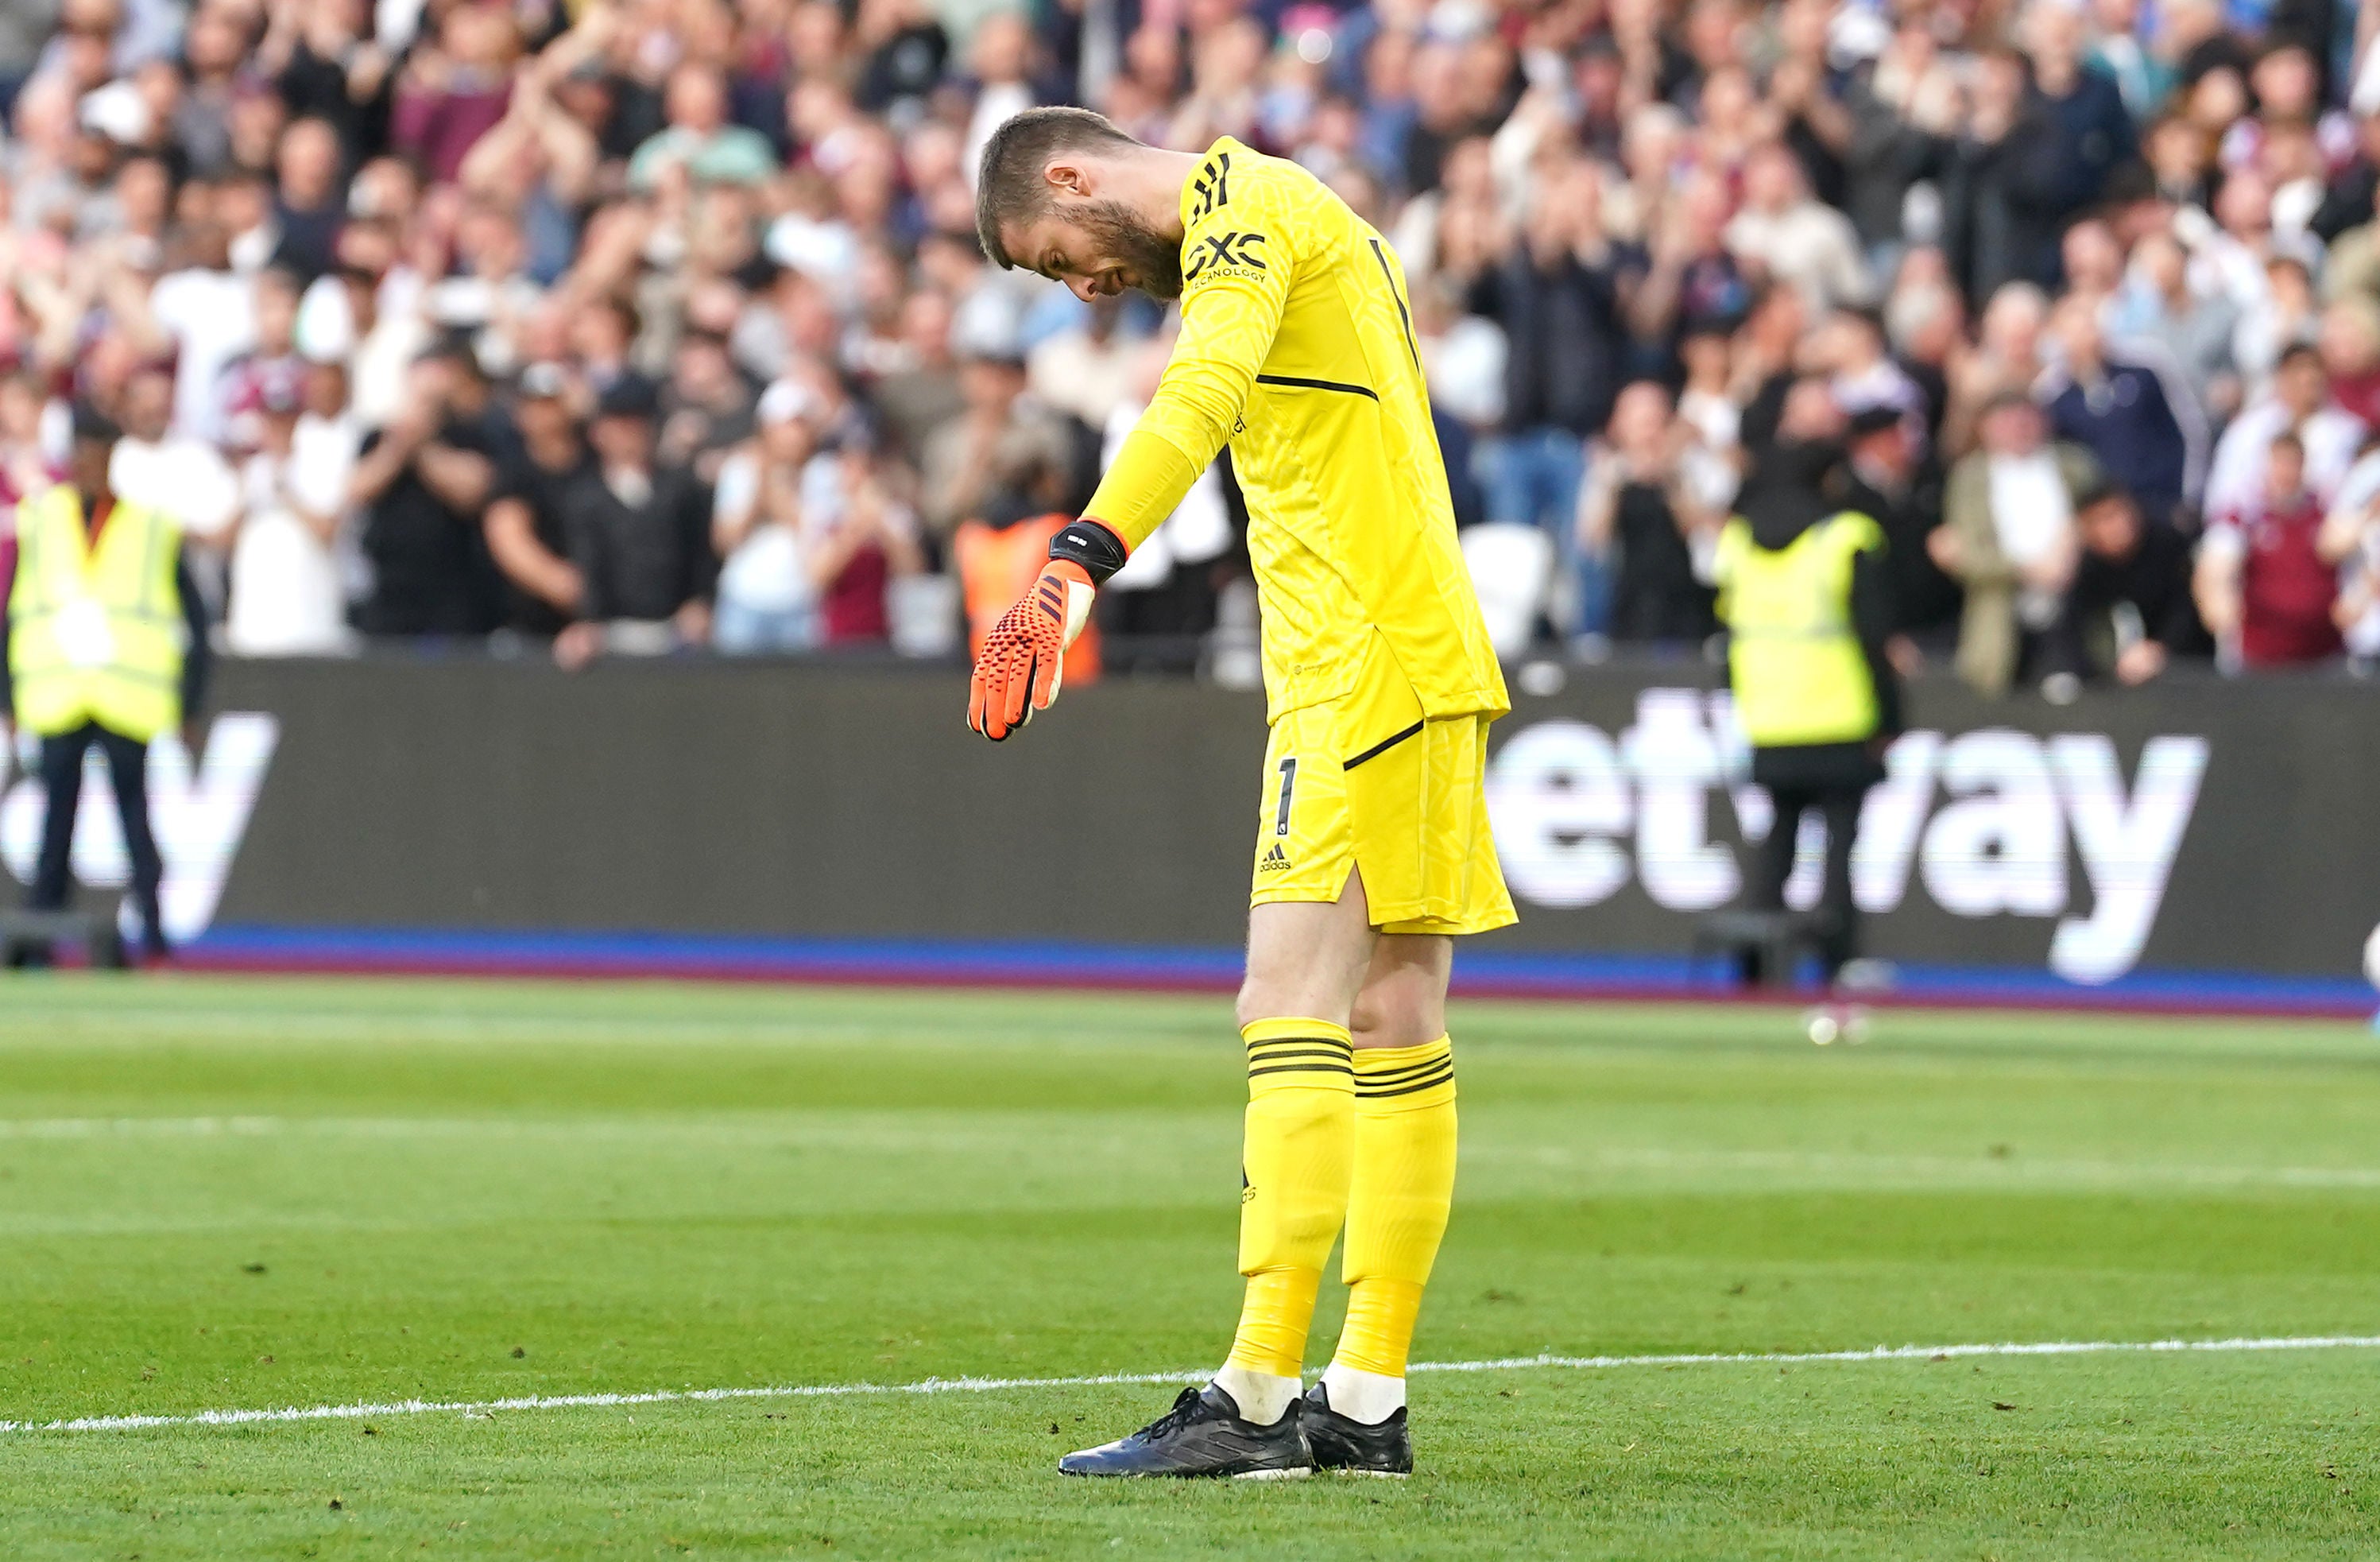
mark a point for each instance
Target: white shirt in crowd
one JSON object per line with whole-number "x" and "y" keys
{"x": 770, "y": 570}
{"x": 2236, "y": 481}
{"x": 211, "y": 317}
{"x": 1199, "y": 529}
{"x": 379, "y": 363}
{"x": 184, "y": 477}
{"x": 1811, "y": 246}
{"x": 1707, "y": 464}
{"x": 2358, "y": 492}
{"x": 2034, "y": 517}
{"x": 2032, "y": 512}
{"x": 1464, "y": 365}
{"x": 287, "y": 598}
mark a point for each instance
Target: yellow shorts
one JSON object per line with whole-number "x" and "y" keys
{"x": 1364, "y": 782}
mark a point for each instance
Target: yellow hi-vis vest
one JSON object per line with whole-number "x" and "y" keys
{"x": 1793, "y": 656}
{"x": 95, "y": 632}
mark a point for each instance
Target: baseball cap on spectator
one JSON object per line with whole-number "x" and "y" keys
{"x": 1877, "y": 419}
{"x": 630, "y": 395}
{"x": 448, "y": 347}
{"x": 2098, "y": 490}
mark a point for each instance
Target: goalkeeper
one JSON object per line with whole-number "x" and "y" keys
{"x": 1372, "y": 846}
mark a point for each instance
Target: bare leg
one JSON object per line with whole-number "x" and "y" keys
{"x": 1404, "y": 999}
{"x": 1308, "y": 960}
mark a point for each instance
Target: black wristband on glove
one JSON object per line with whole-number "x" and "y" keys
{"x": 1090, "y": 544}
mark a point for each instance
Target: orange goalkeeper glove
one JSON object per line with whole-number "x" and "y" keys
{"x": 1023, "y": 657}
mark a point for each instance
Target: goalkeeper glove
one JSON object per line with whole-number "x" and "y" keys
{"x": 1023, "y": 657}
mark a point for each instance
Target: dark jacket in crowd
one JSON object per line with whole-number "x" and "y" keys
{"x": 2001, "y": 223}
{"x": 545, "y": 493}
{"x": 1569, "y": 348}
{"x": 430, "y": 570}
{"x": 1925, "y": 600}
{"x": 2125, "y": 418}
{"x": 644, "y": 560}
{"x": 1656, "y": 598}
{"x": 1885, "y": 156}
{"x": 2090, "y": 132}
{"x": 2152, "y": 585}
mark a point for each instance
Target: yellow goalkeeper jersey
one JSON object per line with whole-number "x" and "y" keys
{"x": 1297, "y": 349}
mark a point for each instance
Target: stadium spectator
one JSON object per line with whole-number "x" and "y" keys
{"x": 2114, "y": 402}
{"x": 422, "y": 482}
{"x": 2298, "y": 403}
{"x": 286, "y": 597}
{"x": 2130, "y": 613}
{"x": 2089, "y": 133}
{"x": 766, "y": 527}
{"x": 270, "y": 365}
{"x": 1556, "y": 296}
{"x": 2006, "y": 359}
{"x": 454, "y": 87}
{"x": 707, "y": 407}
{"x": 1787, "y": 234}
{"x": 2008, "y": 538}
{"x": 1000, "y": 430}
{"x": 2156, "y": 302}
{"x": 1642, "y": 525}
{"x": 527, "y": 525}
{"x": 1892, "y": 482}
{"x": 1001, "y": 553}
{"x": 2263, "y": 585}
{"x": 639, "y": 537}
{"x": 309, "y": 207}
{"x": 159, "y": 465}
{"x": 698, "y": 140}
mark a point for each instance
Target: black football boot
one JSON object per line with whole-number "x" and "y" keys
{"x": 1203, "y": 1434}
{"x": 1351, "y": 1447}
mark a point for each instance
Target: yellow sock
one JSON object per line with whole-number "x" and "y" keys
{"x": 1297, "y": 1157}
{"x": 1403, "y": 1186}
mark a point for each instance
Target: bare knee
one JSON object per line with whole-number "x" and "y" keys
{"x": 1307, "y": 959}
{"x": 1397, "y": 1016}
{"x": 1404, "y": 999}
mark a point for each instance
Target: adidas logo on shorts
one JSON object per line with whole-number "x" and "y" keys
{"x": 1274, "y": 860}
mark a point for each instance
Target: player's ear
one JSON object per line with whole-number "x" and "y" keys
{"x": 1068, "y": 176}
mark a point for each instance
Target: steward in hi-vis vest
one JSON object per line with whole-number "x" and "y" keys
{"x": 1806, "y": 601}
{"x": 108, "y": 648}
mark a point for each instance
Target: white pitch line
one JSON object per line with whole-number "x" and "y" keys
{"x": 988, "y": 1384}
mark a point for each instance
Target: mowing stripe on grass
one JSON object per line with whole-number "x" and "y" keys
{"x": 795, "y": 1126}
{"x": 988, "y": 1384}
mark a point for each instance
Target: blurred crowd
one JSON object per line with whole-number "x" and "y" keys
{"x": 632, "y": 326}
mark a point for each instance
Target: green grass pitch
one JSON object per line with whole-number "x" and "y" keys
{"x": 220, "y": 1194}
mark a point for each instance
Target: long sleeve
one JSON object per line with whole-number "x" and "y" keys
{"x": 198, "y": 655}
{"x": 1235, "y": 284}
{"x": 1873, "y": 616}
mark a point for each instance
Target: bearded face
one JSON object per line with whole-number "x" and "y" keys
{"x": 1149, "y": 260}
